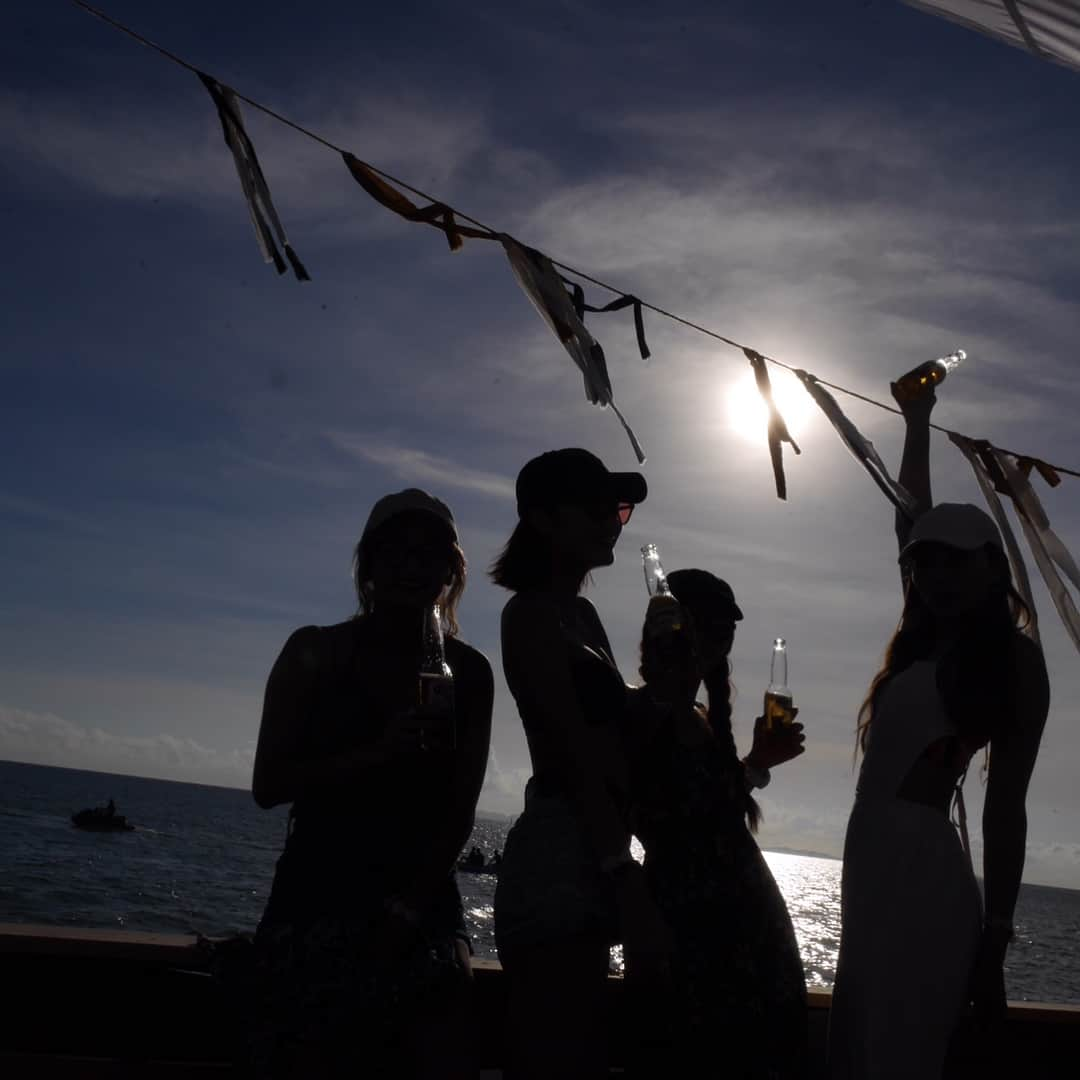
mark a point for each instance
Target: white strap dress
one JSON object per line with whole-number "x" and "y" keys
{"x": 911, "y": 908}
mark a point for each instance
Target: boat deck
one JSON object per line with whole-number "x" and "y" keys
{"x": 118, "y": 1004}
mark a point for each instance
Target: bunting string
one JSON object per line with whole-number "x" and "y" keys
{"x": 442, "y": 215}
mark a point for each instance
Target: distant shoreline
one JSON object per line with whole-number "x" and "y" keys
{"x": 491, "y": 816}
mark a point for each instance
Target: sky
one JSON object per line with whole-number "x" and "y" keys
{"x": 189, "y": 444}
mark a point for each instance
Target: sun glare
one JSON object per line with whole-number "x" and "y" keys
{"x": 746, "y": 412}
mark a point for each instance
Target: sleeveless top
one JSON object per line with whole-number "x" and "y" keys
{"x": 909, "y": 716}
{"x": 601, "y": 694}
{"x": 349, "y": 850}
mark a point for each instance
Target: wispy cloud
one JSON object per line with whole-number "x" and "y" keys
{"x": 35, "y": 510}
{"x": 155, "y": 150}
{"x": 47, "y": 739}
{"x": 421, "y": 467}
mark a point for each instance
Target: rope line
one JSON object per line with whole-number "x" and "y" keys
{"x": 656, "y": 309}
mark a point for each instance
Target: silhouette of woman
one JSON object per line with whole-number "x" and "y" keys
{"x": 739, "y": 990}
{"x": 568, "y": 886}
{"x": 362, "y": 957}
{"x": 959, "y": 674}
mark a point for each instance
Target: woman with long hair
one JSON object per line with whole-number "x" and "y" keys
{"x": 568, "y": 887}
{"x": 361, "y": 955}
{"x": 960, "y": 675}
{"x": 739, "y": 1002}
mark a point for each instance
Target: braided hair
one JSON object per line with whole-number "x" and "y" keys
{"x": 719, "y": 688}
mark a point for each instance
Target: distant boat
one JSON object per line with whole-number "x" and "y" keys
{"x": 101, "y": 819}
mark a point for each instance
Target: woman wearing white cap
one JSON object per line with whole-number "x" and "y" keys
{"x": 362, "y": 956}
{"x": 918, "y": 943}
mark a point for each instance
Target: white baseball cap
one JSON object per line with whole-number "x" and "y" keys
{"x": 956, "y": 525}
{"x": 411, "y": 500}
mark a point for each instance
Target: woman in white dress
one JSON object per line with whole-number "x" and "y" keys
{"x": 918, "y": 943}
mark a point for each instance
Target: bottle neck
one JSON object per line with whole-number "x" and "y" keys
{"x": 433, "y": 655}
{"x": 778, "y": 673}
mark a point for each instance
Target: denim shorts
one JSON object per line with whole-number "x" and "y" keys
{"x": 550, "y": 887}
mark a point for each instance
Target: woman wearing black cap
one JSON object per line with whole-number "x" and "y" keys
{"x": 568, "y": 886}
{"x": 739, "y": 997}
{"x": 959, "y": 675}
{"x": 362, "y": 947}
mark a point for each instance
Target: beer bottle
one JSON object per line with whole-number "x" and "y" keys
{"x": 778, "y": 696}
{"x": 664, "y": 615}
{"x": 917, "y": 381}
{"x": 436, "y": 683}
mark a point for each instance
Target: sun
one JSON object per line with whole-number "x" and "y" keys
{"x": 746, "y": 412}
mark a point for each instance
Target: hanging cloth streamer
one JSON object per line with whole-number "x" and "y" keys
{"x": 438, "y": 214}
{"x": 1049, "y": 552}
{"x": 861, "y": 447}
{"x": 778, "y": 431}
{"x": 1047, "y": 472}
{"x": 991, "y": 480}
{"x": 542, "y": 285}
{"x": 578, "y": 295}
{"x": 252, "y": 181}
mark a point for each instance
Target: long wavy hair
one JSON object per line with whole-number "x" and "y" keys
{"x": 720, "y": 690}
{"x": 451, "y": 594}
{"x": 972, "y": 676}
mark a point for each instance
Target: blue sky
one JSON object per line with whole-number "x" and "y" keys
{"x": 190, "y": 444}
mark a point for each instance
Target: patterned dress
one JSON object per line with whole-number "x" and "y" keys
{"x": 739, "y": 1004}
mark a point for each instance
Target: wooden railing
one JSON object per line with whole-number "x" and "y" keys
{"x": 112, "y": 1003}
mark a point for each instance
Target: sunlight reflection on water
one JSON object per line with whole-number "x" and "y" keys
{"x": 810, "y": 886}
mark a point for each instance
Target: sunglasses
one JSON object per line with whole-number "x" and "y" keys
{"x": 600, "y": 510}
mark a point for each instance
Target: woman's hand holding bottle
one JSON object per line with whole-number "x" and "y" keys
{"x": 916, "y": 409}
{"x": 774, "y": 744}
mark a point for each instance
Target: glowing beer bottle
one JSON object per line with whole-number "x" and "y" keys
{"x": 436, "y": 683}
{"x": 926, "y": 376}
{"x": 778, "y": 696}
{"x": 664, "y": 614}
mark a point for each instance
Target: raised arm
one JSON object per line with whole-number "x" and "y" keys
{"x": 1012, "y": 759}
{"x": 915, "y": 462}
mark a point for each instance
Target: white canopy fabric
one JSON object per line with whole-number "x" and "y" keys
{"x": 1048, "y": 28}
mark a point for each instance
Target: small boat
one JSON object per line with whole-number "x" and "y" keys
{"x": 100, "y": 819}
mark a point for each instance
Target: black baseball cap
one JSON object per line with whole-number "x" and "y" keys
{"x": 700, "y": 589}
{"x": 575, "y": 477}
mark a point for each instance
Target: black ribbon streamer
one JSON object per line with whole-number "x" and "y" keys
{"x": 778, "y": 430}
{"x": 577, "y": 295}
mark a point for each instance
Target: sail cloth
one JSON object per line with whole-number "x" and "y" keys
{"x": 859, "y": 445}
{"x": 1047, "y": 28}
{"x": 252, "y": 182}
{"x": 541, "y": 283}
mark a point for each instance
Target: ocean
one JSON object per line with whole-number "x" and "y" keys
{"x": 201, "y": 860}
